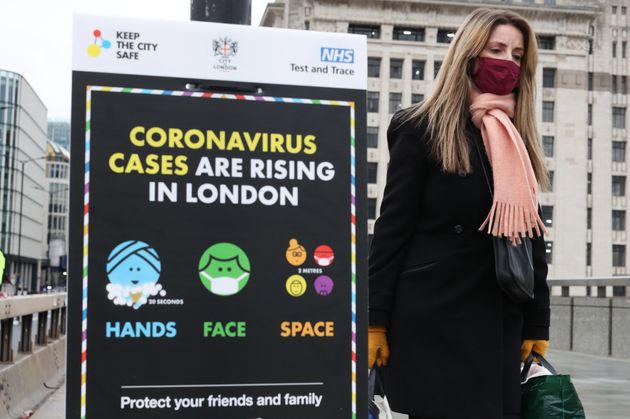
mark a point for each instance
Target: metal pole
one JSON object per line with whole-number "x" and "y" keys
{"x": 223, "y": 11}
{"x": 22, "y": 163}
{"x": 19, "y": 278}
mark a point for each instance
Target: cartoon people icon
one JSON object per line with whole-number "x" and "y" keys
{"x": 323, "y": 285}
{"x": 324, "y": 255}
{"x": 224, "y": 269}
{"x": 133, "y": 269}
{"x": 296, "y": 285}
{"x": 296, "y": 253}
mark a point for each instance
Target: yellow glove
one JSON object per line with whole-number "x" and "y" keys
{"x": 538, "y": 346}
{"x": 378, "y": 351}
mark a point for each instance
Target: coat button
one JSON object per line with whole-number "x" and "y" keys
{"x": 462, "y": 174}
{"x": 458, "y": 229}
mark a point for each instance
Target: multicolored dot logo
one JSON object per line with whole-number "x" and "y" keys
{"x": 94, "y": 49}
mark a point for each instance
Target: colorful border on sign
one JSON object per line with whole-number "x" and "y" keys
{"x": 209, "y": 95}
{"x": 86, "y": 237}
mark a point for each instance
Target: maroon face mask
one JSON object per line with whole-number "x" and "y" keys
{"x": 496, "y": 76}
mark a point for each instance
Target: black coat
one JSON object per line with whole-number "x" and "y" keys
{"x": 454, "y": 337}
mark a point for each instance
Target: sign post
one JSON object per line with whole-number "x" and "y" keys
{"x": 217, "y": 222}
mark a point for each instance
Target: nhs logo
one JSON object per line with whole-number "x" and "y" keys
{"x": 337, "y": 55}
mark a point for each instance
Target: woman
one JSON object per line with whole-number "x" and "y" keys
{"x": 452, "y": 340}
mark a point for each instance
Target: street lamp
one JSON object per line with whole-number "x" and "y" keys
{"x": 224, "y": 11}
{"x": 22, "y": 163}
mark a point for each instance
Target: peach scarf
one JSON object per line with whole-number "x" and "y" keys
{"x": 514, "y": 208}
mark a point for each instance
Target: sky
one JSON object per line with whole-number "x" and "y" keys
{"x": 36, "y": 38}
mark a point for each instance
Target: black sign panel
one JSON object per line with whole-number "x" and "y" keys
{"x": 217, "y": 242}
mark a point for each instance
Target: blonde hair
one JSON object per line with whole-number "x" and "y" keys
{"x": 446, "y": 109}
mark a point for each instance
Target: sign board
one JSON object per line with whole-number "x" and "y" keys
{"x": 217, "y": 222}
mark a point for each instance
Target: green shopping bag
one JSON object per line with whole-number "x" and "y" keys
{"x": 548, "y": 396}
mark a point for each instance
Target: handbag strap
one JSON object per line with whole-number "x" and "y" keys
{"x": 374, "y": 382}
{"x": 541, "y": 360}
{"x": 483, "y": 166}
{"x": 371, "y": 383}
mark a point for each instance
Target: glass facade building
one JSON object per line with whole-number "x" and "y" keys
{"x": 23, "y": 195}
{"x": 59, "y": 133}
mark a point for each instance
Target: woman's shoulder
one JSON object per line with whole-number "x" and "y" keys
{"x": 409, "y": 126}
{"x": 408, "y": 119}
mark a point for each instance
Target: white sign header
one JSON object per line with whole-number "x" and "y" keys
{"x": 216, "y": 51}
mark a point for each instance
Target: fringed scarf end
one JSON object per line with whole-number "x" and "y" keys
{"x": 513, "y": 222}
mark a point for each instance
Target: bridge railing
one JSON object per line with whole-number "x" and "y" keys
{"x": 50, "y": 323}
{"x": 613, "y": 286}
{"x": 32, "y": 350}
{"x": 591, "y": 315}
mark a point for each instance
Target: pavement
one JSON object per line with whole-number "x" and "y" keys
{"x": 603, "y": 385}
{"x": 54, "y": 407}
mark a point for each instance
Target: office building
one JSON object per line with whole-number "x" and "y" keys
{"x": 581, "y": 107}
{"x": 23, "y": 194}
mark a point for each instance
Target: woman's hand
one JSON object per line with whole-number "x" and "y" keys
{"x": 378, "y": 351}
{"x": 538, "y": 346}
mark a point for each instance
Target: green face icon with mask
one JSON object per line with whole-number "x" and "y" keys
{"x": 224, "y": 269}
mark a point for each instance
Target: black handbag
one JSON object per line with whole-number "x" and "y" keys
{"x": 513, "y": 262}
